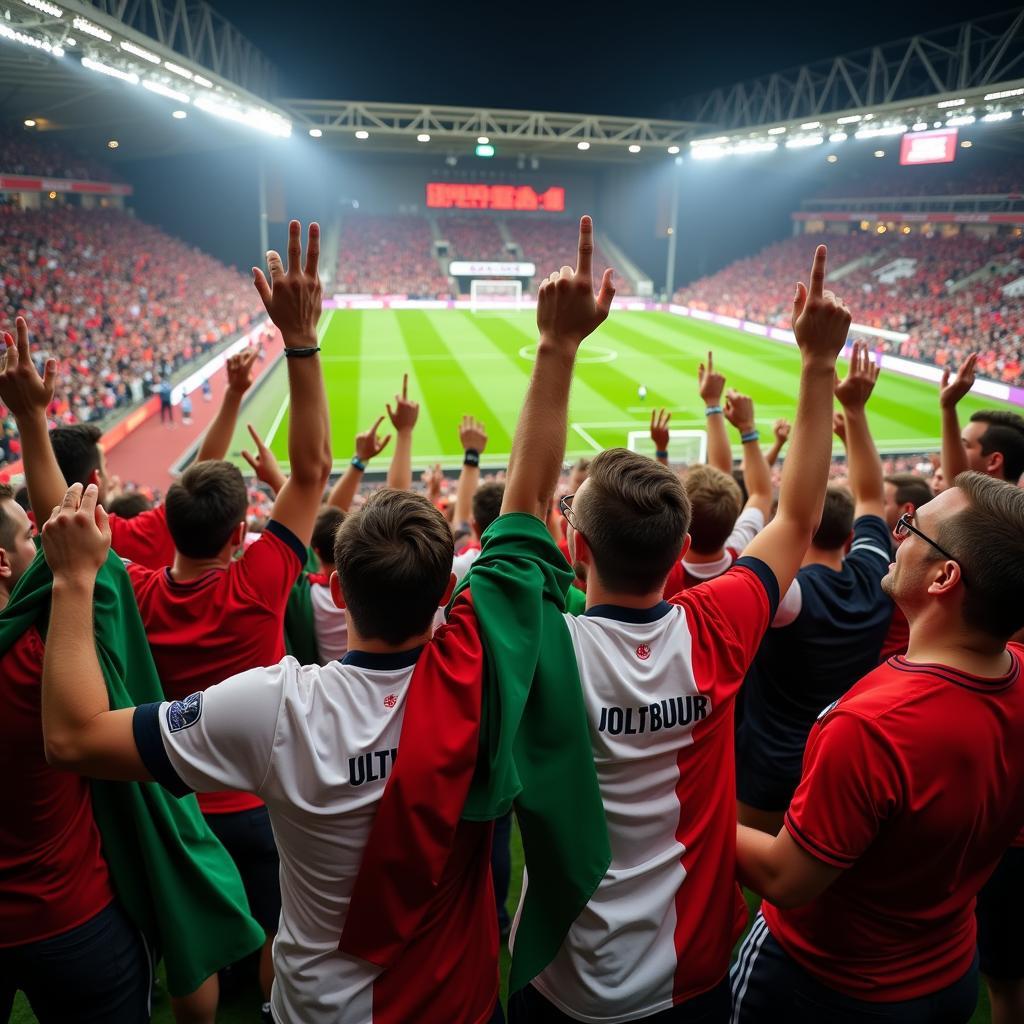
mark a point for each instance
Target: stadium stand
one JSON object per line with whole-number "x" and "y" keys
{"x": 24, "y": 153}
{"x": 473, "y": 238}
{"x": 545, "y": 242}
{"x": 388, "y": 255}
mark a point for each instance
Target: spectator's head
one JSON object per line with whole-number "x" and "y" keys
{"x": 994, "y": 444}
{"x": 206, "y": 510}
{"x": 629, "y": 521}
{"x": 904, "y": 493}
{"x": 938, "y": 482}
{"x": 16, "y": 547}
{"x": 974, "y": 583}
{"x": 80, "y": 456}
{"x": 578, "y": 474}
{"x": 486, "y": 506}
{"x": 130, "y": 504}
{"x": 393, "y": 562}
{"x": 836, "y": 523}
{"x": 715, "y": 502}
{"x": 325, "y": 530}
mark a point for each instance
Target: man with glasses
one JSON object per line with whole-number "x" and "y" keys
{"x": 912, "y": 789}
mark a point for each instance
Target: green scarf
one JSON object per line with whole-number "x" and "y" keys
{"x": 171, "y": 874}
{"x": 299, "y": 627}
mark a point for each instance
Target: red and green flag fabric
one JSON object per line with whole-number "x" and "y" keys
{"x": 299, "y": 624}
{"x": 502, "y": 724}
{"x": 171, "y": 874}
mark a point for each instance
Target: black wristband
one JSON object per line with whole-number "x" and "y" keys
{"x": 301, "y": 353}
{"x": 358, "y": 463}
{"x": 471, "y": 458}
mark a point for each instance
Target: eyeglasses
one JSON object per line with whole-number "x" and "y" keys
{"x": 905, "y": 526}
{"x": 565, "y": 507}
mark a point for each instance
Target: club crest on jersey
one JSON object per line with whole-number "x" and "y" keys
{"x": 643, "y": 652}
{"x": 183, "y": 713}
{"x": 390, "y": 701}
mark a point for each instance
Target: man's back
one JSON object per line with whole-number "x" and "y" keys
{"x": 659, "y": 686}
{"x": 876, "y": 800}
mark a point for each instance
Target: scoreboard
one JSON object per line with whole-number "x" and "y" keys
{"x": 446, "y": 195}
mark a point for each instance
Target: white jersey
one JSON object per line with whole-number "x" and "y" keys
{"x": 659, "y": 686}
{"x": 329, "y": 624}
{"x": 316, "y": 745}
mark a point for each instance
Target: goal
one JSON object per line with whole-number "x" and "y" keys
{"x": 485, "y": 296}
{"x": 686, "y": 447}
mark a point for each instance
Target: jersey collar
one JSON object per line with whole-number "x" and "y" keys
{"x": 636, "y": 615}
{"x": 384, "y": 661}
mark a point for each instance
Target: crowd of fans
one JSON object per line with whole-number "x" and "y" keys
{"x": 119, "y": 304}
{"x": 389, "y": 255}
{"x": 677, "y": 679}
{"x": 543, "y": 242}
{"x": 473, "y": 238}
{"x": 26, "y": 152}
{"x": 944, "y": 317}
{"x": 960, "y": 178}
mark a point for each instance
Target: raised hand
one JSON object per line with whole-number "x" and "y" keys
{"x": 405, "y": 414}
{"x": 567, "y": 308}
{"x": 368, "y": 444}
{"x": 76, "y": 538}
{"x": 781, "y": 430}
{"x": 240, "y": 370}
{"x": 263, "y": 463}
{"x": 432, "y": 479}
{"x": 950, "y": 392}
{"x": 659, "y": 429}
{"x": 839, "y": 426}
{"x": 854, "y": 390}
{"x": 710, "y": 384}
{"x": 472, "y": 434}
{"x": 22, "y": 390}
{"x": 821, "y": 322}
{"x": 293, "y": 296}
{"x": 739, "y": 411}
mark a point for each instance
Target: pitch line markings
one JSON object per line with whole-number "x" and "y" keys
{"x": 272, "y": 433}
{"x": 597, "y": 354}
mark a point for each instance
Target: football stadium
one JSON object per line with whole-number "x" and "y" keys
{"x": 624, "y": 425}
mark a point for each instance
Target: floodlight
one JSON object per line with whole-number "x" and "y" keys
{"x": 919, "y": 126}
{"x": 956, "y": 122}
{"x": 315, "y": 133}
{"x": 482, "y": 140}
{"x": 252, "y": 117}
{"x": 1005, "y": 94}
{"x": 165, "y": 90}
{"x": 708, "y": 152}
{"x": 849, "y": 119}
{"x": 29, "y": 122}
{"x": 178, "y": 70}
{"x": 777, "y": 131}
{"x": 179, "y": 115}
{"x": 752, "y": 146}
{"x": 718, "y": 140}
{"x": 583, "y": 146}
{"x": 47, "y": 8}
{"x": 362, "y": 136}
{"x": 944, "y": 104}
{"x": 106, "y": 69}
{"x": 879, "y": 153}
{"x": 423, "y": 137}
{"x": 672, "y": 150}
{"x": 804, "y": 141}
{"x": 93, "y": 30}
{"x": 832, "y": 158}
{"x": 138, "y": 51}
{"x": 838, "y": 137}
{"x": 29, "y": 40}
{"x": 810, "y": 125}
{"x": 634, "y": 148}
{"x": 881, "y": 130}
{"x": 204, "y": 82}
{"x": 113, "y": 144}
{"x": 999, "y": 115}
{"x": 485, "y": 150}
{"x": 966, "y": 144}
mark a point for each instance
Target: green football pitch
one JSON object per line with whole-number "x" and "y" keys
{"x": 460, "y": 362}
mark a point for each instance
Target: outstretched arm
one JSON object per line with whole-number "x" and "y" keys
{"x": 863, "y": 464}
{"x": 473, "y": 438}
{"x": 781, "y": 431}
{"x": 660, "y": 434}
{"x": 28, "y": 396}
{"x": 403, "y": 419}
{"x": 757, "y": 476}
{"x": 367, "y": 444}
{"x": 263, "y": 463}
{"x": 567, "y": 311}
{"x": 954, "y": 458}
{"x": 217, "y": 438}
{"x": 711, "y": 385}
{"x": 821, "y": 323}
{"x": 292, "y": 299}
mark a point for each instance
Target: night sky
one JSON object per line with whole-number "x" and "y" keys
{"x": 635, "y": 60}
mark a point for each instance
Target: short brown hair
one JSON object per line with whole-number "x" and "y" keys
{"x": 487, "y": 504}
{"x": 836, "y": 519}
{"x": 325, "y": 529}
{"x": 205, "y": 506}
{"x": 911, "y": 489}
{"x": 77, "y": 450}
{"x": 1004, "y": 433}
{"x": 987, "y": 540}
{"x": 634, "y": 515}
{"x": 394, "y": 562}
{"x": 716, "y": 502}
{"x": 6, "y": 522}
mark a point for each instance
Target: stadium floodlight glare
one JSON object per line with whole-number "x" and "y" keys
{"x": 849, "y": 119}
{"x": 753, "y": 146}
{"x": 919, "y": 126}
{"x": 804, "y": 141}
{"x": 956, "y": 122}
{"x": 251, "y": 117}
{"x": 482, "y": 140}
{"x": 29, "y": 40}
{"x": 165, "y": 90}
{"x": 945, "y": 104}
{"x": 966, "y": 144}
{"x": 179, "y": 115}
{"x": 47, "y": 8}
{"x": 998, "y": 115}
{"x": 138, "y": 51}
{"x": 634, "y": 148}
{"x": 362, "y": 135}
{"x": 810, "y": 126}
{"x": 423, "y": 137}
{"x": 178, "y": 70}
{"x": 879, "y": 153}
{"x": 315, "y": 133}
{"x": 718, "y": 140}
{"x": 113, "y": 144}
{"x": 484, "y": 150}
{"x": 832, "y": 158}
{"x": 1004, "y": 95}
{"x": 838, "y": 137}
{"x": 780, "y": 130}
{"x": 30, "y": 122}
{"x": 106, "y": 69}
{"x": 672, "y": 150}
{"x": 70, "y": 42}
{"x": 204, "y": 82}
{"x": 93, "y": 30}
{"x": 880, "y": 131}
{"x": 584, "y": 146}
{"x": 708, "y": 152}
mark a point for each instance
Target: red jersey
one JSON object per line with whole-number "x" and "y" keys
{"x": 227, "y": 621}
{"x": 898, "y": 637}
{"x": 913, "y": 783}
{"x": 52, "y": 874}
{"x": 144, "y": 538}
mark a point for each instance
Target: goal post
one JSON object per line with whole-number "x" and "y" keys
{"x": 686, "y": 447}
{"x": 486, "y": 295}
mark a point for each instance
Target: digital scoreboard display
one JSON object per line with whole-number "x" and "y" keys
{"x": 938, "y": 147}
{"x": 447, "y": 195}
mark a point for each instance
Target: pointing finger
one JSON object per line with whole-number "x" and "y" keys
{"x": 22, "y": 330}
{"x": 405, "y": 385}
{"x": 248, "y": 458}
{"x": 313, "y": 249}
{"x": 818, "y": 272}
{"x": 585, "y": 253}
{"x": 90, "y": 497}
{"x": 294, "y": 245}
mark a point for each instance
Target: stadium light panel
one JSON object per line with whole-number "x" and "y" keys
{"x": 204, "y": 82}
{"x": 105, "y": 69}
{"x": 485, "y": 150}
{"x": 165, "y": 90}
{"x": 482, "y": 140}
{"x": 672, "y": 150}
{"x": 750, "y": 147}
{"x": 93, "y": 30}
{"x": 30, "y": 122}
{"x": 315, "y": 133}
{"x": 718, "y": 140}
{"x": 179, "y": 115}
{"x": 47, "y": 8}
{"x": 945, "y": 104}
{"x": 584, "y": 146}
{"x": 262, "y": 120}
{"x": 178, "y": 70}
{"x": 113, "y": 144}
{"x": 29, "y": 40}
{"x": 708, "y": 152}
{"x": 138, "y": 51}
{"x": 998, "y": 115}
{"x": 70, "y": 42}
{"x": 832, "y": 158}
{"x": 804, "y": 141}
{"x": 956, "y": 122}
{"x": 879, "y": 153}
{"x": 919, "y": 126}
{"x": 810, "y": 126}
{"x": 780, "y": 130}
{"x": 966, "y": 144}
{"x": 838, "y": 137}
{"x": 423, "y": 137}
{"x": 362, "y": 135}
{"x": 634, "y": 148}
{"x": 1004, "y": 95}
{"x": 880, "y": 131}
{"x": 849, "y": 119}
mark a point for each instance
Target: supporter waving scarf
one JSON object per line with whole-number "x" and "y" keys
{"x": 173, "y": 878}
{"x": 529, "y": 745}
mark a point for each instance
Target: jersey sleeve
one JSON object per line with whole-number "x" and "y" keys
{"x": 219, "y": 738}
{"x": 872, "y": 544}
{"x": 850, "y": 785}
{"x": 790, "y": 606}
{"x": 749, "y": 524}
{"x": 270, "y": 566}
{"x": 144, "y": 538}
{"x": 728, "y": 617}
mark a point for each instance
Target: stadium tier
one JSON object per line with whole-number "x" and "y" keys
{"x": 473, "y": 238}
{"x": 388, "y": 255}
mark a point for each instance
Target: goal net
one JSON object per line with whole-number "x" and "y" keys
{"x": 494, "y": 295}
{"x": 686, "y": 447}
